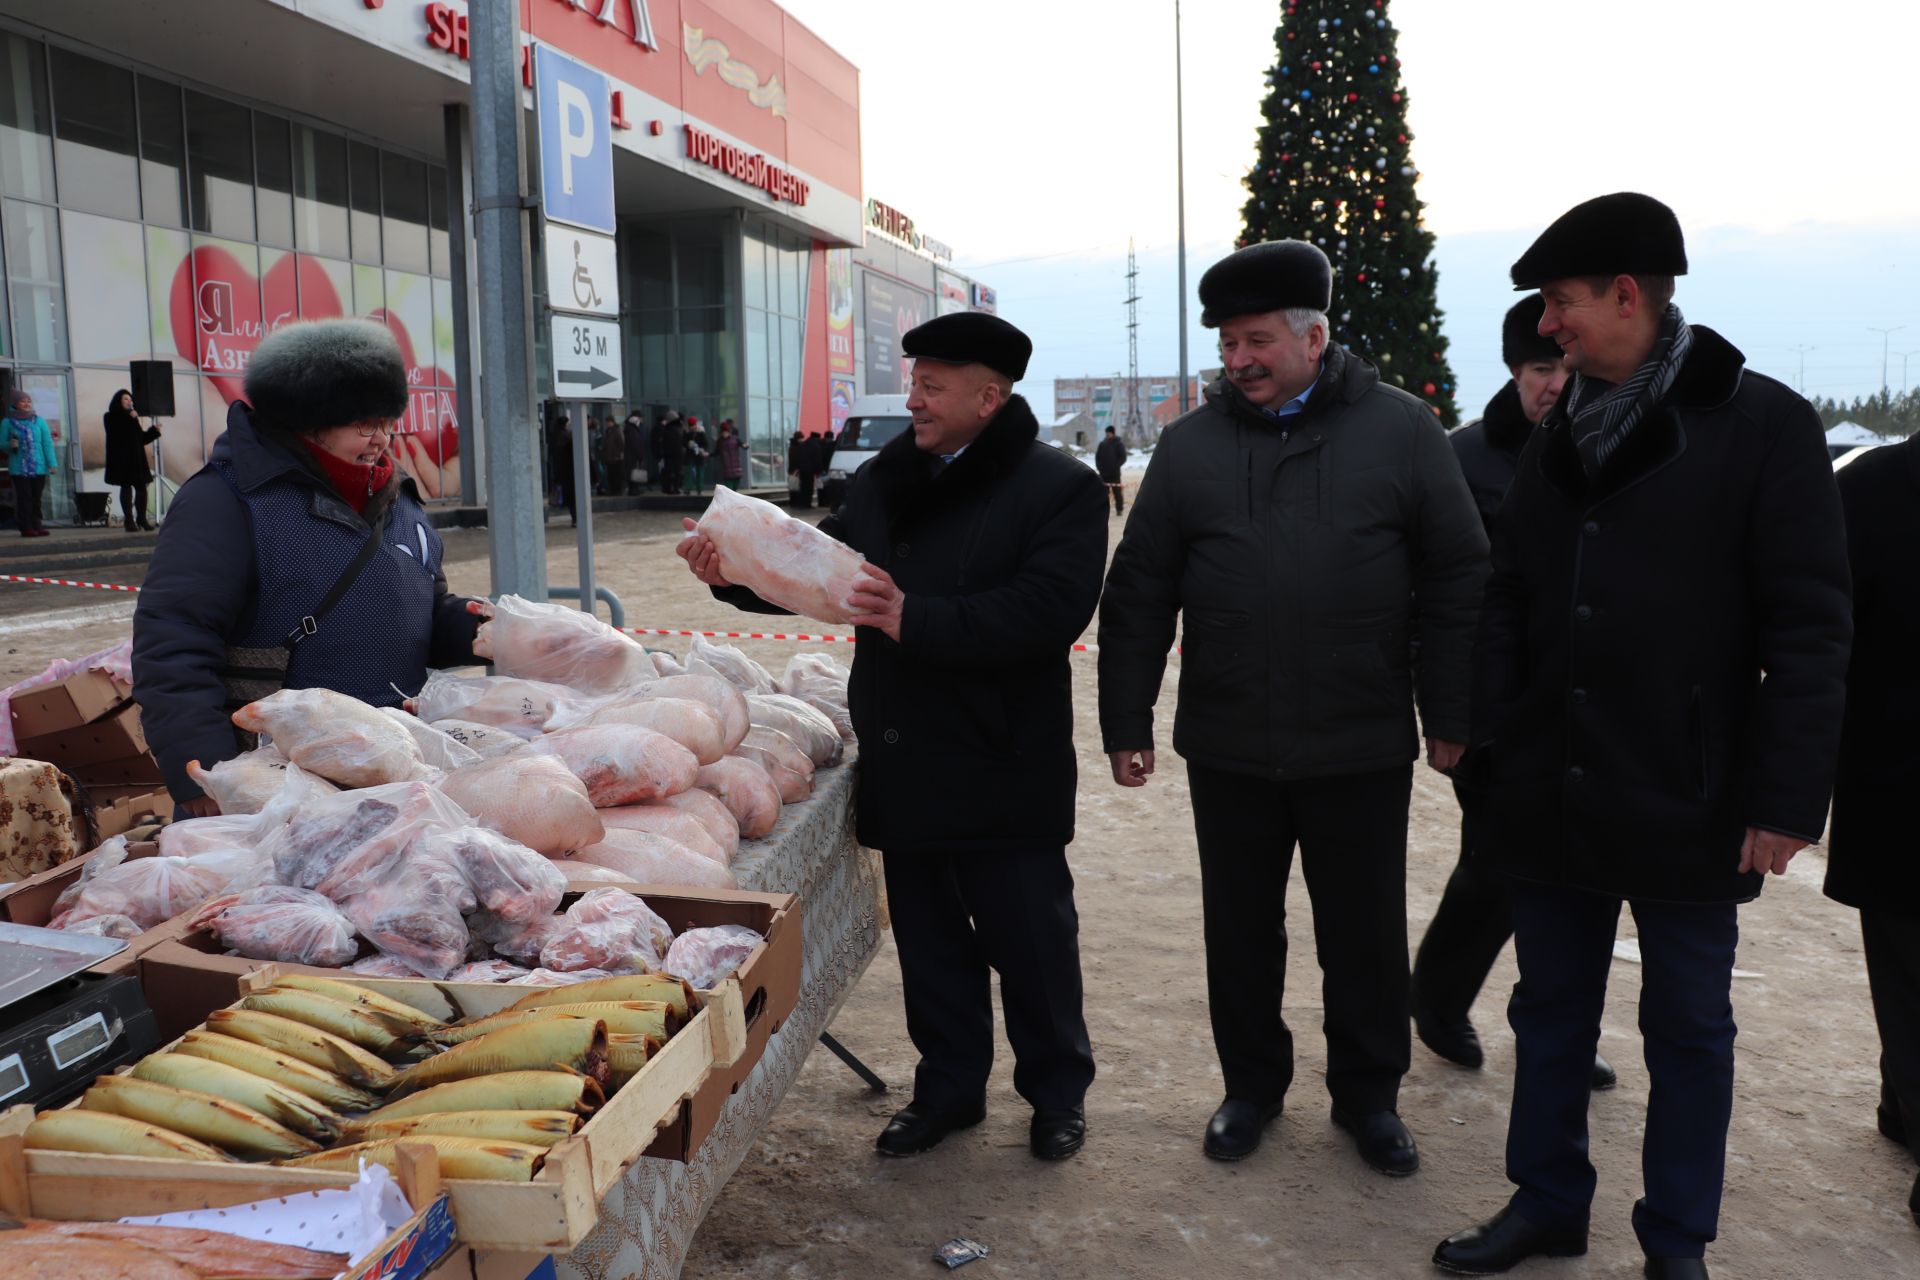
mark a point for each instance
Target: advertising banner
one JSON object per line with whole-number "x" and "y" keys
{"x": 892, "y": 309}
{"x": 953, "y": 293}
{"x": 839, "y": 401}
{"x": 840, "y": 313}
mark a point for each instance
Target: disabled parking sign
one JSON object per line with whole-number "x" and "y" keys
{"x": 574, "y": 114}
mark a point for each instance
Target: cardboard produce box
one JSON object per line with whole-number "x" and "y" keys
{"x": 108, "y": 752}
{"x": 81, "y": 698}
{"x": 31, "y": 902}
{"x": 119, "y": 809}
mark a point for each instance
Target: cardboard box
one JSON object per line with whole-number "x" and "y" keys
{"x": 112, "y": 737}
{"x": 31, "y": 902}
{"x": 769, "y": 985}
{"x": 118, "y": 810}
{"x": 79, "y": 699}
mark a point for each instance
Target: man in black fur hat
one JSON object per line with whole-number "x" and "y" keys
{"x": 1305, "y": 522}
{"x": 1473, "y": 920}
{"x": 1658, "y": 687}
{"x": 984, "y": 551}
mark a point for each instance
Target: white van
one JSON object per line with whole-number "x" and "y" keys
{"x": 871, "y": 423}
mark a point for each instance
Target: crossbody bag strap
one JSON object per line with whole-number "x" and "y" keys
{"x": 310, "y": 624}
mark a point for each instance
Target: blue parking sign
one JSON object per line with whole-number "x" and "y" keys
{"x": 573, "y": 108}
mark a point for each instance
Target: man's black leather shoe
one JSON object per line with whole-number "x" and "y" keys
{"x": 1057, "y": 1135}
{"x": 1676, "y": 1269}
{"x": 1452, "y": 1038}
{"x": 1604, "y": 1076}
{"x": 1382, "y": 1139}
{"x": 1504, "y": 1241}
{"x": 1892, "y": 1125}
{"x": 1234, "y": 1132}
{"x": 914, "y": 1129}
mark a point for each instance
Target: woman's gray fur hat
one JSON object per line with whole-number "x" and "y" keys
{"x": 327, "y": 373}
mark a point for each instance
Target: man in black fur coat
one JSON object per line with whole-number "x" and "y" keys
{"x": 984, "y": 553}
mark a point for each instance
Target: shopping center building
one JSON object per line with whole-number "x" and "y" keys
{"x": 179, "y": 178}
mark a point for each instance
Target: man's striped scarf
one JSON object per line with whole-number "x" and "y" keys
{"x": 1602, "y": 419}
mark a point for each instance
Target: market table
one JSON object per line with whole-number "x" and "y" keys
{"x": 648, "y": 1220}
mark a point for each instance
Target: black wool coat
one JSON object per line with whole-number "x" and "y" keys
{"x": 966, "y": 723}
{"x": 1624, "y": 736}
{"x": 127, "y": 442}
{"x": 1488, "y": 450}
{"x": 1300, "y": 555}
{"x": 1871, "y": 848}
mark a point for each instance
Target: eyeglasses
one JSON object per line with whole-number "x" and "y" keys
{"x": 385, "y": 428}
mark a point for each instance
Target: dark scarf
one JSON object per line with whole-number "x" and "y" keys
{"x": 1600, "y": 417}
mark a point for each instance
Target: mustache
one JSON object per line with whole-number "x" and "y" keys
{"x": 1251, "y": 371}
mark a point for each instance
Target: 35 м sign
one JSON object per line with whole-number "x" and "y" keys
{"x": 586, "y": 358}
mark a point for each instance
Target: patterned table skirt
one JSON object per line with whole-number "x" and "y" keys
{"x": 647, "y": 1221}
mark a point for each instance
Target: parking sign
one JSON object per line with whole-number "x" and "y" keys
{"x": 576, "y": 141}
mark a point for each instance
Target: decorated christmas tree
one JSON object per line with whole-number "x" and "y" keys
{"x": 1336, "y": 168}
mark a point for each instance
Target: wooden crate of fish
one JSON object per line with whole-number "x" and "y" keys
{"x": 534, "y": 1102}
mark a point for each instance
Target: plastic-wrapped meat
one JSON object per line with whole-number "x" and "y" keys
{"x": 340, "y": 738}
{"x": 808, "y": 726}
{"x": 560, "y": 645}
{"x": 552, "y": 978}
{"x": 342, "y": 843}
{"x": 586, "y": 874}
{"x": 608, "y": 929}
{"x": 713, "y": 815}
{"x": 666, "y": 664}
{"x": 488, "y": 971}
{"x": 126, "y": 928}
{"x": 508, "y": 879}
{"x": 148, "y": 891}
{"x": 516, "y": 940}
{"x": 716, "y": 695}
{"x": 533, "y": 799}
{"x": 485, "y": 740}
{"x": 621, "y": 763}
{"x": 731, "y": 665}
{"x": 439, "y": 750}
{"x": 248, "y": 782}
{"x": 746, "y": 789}
{"x": 704, "y": 956}
{"x": 782, "y": 560}
{"x": 646, "y": 858}
{"x": 194, "y": 836}
{"x": 820, "y": 681}
{"x": 279, "y": 922}
{"x": 381, "y": 965}
{"x": 522, "y": 707}
{"x": 693, "y": 725}
{"x": 416, "y": 912}
{"x": 676, "y": 825}
{"x": 784, "y": 761}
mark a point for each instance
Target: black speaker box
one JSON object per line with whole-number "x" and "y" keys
{"x": 152, "y": 388}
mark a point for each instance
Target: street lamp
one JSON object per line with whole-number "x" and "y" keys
{"x": 1885, "y": 334}
{"x": 1904, "y": 357}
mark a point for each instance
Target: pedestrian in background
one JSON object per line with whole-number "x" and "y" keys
{"x": 613, "y": 456}
{"x": 1658, "y": 688}
{"x": 1304, "y": 525}
{"x": 732, "y": 460}
{"x": 596, "y": 468}
{"x": 636, "y": 445}
{"x": 560, "y": 463}
{"x": 31, "y": 458}
{"x": 1870, "y": 851}
{"x": 673, "y": 454}
{"x": 795, "y": 448}
{"x": 1474, "y": 919}
{"x": 127, "y": 464}
{"x": 1108, "y": 459}
{"x": 697, "y": 450}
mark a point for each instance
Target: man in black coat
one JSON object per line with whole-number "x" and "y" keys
{"x": 1305, "y": 523}
{"x": 1474, "y": 919}
{"x": 1658, "y": 687}
{"x": 1870, "y": 851}
{"x": 1108, "y": 459}
{"x": 984, "y": 550}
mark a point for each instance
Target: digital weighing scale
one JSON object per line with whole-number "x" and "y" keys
{"x": 61, "y": 1026}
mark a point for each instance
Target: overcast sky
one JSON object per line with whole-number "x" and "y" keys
{"x": 1035, "y": 138}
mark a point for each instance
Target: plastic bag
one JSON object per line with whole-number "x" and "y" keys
{"x": 788, "y": 766}
{"x": 340, "y": 738}
{"x": 516, "y": 940}
{"x": 249, "y": 782}
{"x": 341, "y": 844}
{"x": 508, "y": 879}
{"x": 279, "y": 922}
{"x": 727, "y": 704}
{"x": 646, "y": 858}
{"x": 677, "y": 825}
{"x": 666, "y": 664}
{"x": 608, "y": 929}
{"x": 704, "y": 956}
{"x": 782, "y": 560}
{"x": 713, "y": 816}
{"x": 531, "y": 798}
{"x": 747, "y": 790}
{"x": 731, "y": 665}
{"x": 148, "y": 891}
{"x": 488, "y": 971}
{"x": 621, "y": 763}
{"x": 560, "y": 645}
{"x": 820, "y": 681}
{"x": 193, "y": 836}
{"x": 125, "y": 928}
{"x": 551, "y": 978}
{"x": 440, "y": 750}
{"x": 416, "y": 910}
{"x": 809, "y": 727}
{"x": 380, "y": 965}
{"x": 488, "y": 741}
{"x": 519, "y": 706}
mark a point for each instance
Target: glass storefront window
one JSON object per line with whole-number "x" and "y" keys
{"x": 220, "y": 166}
{"x": 34, "y": 292}
{"x": 26, "y": 134}
{"x": 403, "y": 185}
{"x": 320, "y": 192}
{"x": 93, "y": 149}
{"x": 650, "y": 257}
{"x": 699, "y": 265}
{"x": 364, "y": 164}
{"x": 753, "y": 269}
{"x": 437, "y": 242}
{"x": 163, "y": 154}
{"x": 273, "y": 163}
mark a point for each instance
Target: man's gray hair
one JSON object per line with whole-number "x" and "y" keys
{"x": 1302, "y": 319}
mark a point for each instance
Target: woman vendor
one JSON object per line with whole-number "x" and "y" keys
{"x": 297, "y": 557}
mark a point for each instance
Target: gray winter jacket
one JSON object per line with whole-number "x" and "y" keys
{"x": 1304, "y": 553}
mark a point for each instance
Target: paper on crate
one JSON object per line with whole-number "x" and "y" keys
{"x": 354, "y": 1220}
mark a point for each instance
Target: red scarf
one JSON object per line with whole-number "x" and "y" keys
{"x": 354, "y": 481}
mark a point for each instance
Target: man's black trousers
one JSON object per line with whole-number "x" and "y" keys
{"x": 1352, "y": 835}
{"x": 957, "y": 919}
{"x": 1471, "y": 925}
